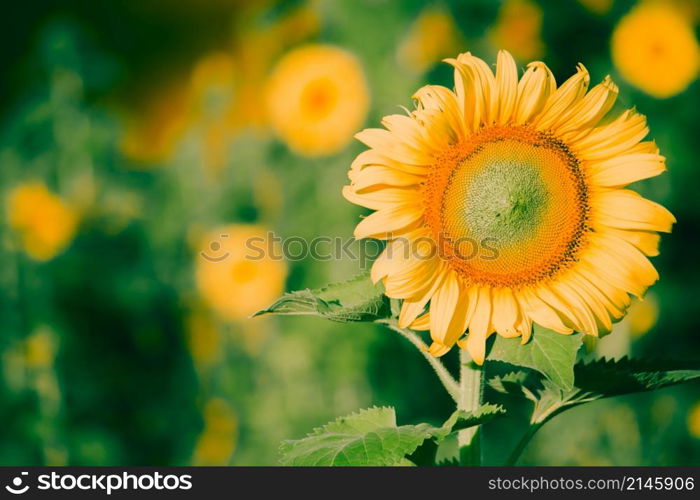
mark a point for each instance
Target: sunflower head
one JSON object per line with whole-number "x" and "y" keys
{"x": 316, "y": 98}
{"x": 503, "y": 204}
{"x": 45, "y": 223}
{"x": 655, "y": 48}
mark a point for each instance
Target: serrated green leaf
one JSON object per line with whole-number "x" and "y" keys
{"x": 449, "y": 462}
{"x": 625, "y": 376}
{"x": 348, "y": 301}
{"x": 594, "y": 380}
{"x": 548, "y": 352}
{"x": 367, "y": 438}
{"x": 372, "y": 438}
{"x": 461, "y": 419}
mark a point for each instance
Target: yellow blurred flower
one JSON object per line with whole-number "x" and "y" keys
{"x": 217, "y": 441}
{"x": 236, "y": 273}
{"x": 40, "y": 348}
{"x": 152, "y": 132}
{"x": 654, "y": 47}
{"x": 317, "y": 98}
{"x": 643, "y": 315}
{"x": 432, "y": 37}
{"x": 45, "y": 223}
{"x": 203, "y": 338}
{"x": 600, "y": 7}
{"x": 518, "y": 29}
{"x": 694, "y": 420}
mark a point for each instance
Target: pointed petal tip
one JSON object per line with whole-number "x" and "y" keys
{"x": 436, "y": 349}
{"x": 477, "y": 357}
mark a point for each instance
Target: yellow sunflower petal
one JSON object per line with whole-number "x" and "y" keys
{"x": 382, "y": 175}
{"x": 443, "y": 100}
{"x": 373, "y": 157}
{"x": 379, "y": 199}
{"x": 615, "y": 138}
{"x": 442, "y": 307}
{"x": 625, "y": 209}
{"x": 437, "y": 349}
{"x": 412, "y": 308}
{"x": 542, "y": 313}
{"x": 577, "y": 305}
{"x": 412, "y": 278}
{"x": 421, "y": 323}
{"x": 534, "y": 89}
{"x": 397, "y": 254}
{"x": 559, "y": 103}
{"x": 588, "y": 111}
{"x": 508, "y": 311}
{"x": 410, "y": 131}
{"x": 473, "y": 87}
{"x": 625, "y": 169}
{"x": 385, "y": 222}
{"x": 646, "y": 241}
{"x": 507, "y": 85}
{"x": 479, "y": 327}
{"x": 394, "y": 147}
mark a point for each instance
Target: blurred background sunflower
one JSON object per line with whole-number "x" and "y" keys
{"x": 142, "y": 140}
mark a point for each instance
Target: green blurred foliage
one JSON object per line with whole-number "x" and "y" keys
{"x": 117, "y": 382}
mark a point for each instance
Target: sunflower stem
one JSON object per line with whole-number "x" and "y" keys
{"x": 450, "y": 384}
{"x": 524, "y": 440}
{"x": 471, "y": 388}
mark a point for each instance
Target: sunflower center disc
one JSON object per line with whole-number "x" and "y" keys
{"x": 505, "y": 201}
{"x": 509, "y": 206}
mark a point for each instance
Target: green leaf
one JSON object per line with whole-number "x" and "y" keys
{"x": 369, "y": 437}
{"x": 548, "y": 352}
{"x": 461, "y": 419}
{"x": 354, "y": 300}
{"x": 594, "y": 380}
{"x": 372, "y": 438}
{"x": 607, "y": 378}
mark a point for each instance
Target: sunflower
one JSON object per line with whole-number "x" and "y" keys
{"x": 655, "y": 49}
{"x": 317, "y": 98}
{"x": 529, "y": 174}
{"x": 45, "y": 223}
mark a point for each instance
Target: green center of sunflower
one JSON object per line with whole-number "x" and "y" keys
{"x": 505, "y": 201}
{"x": 508, "y": 205}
